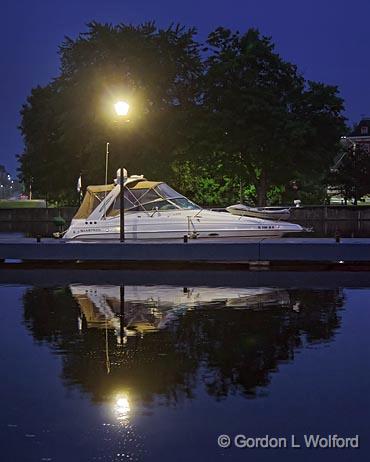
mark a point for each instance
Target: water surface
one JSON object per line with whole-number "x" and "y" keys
{"x": 143, "y": 373}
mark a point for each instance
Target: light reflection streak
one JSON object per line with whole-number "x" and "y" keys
{"x": 121, "y": 407}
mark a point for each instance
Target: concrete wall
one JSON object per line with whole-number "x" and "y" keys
{"x": 332, "y": 212}
{"x": 32, "y": 222}
{"x": 17, "y": 215}
{"x": 348, "y": 221}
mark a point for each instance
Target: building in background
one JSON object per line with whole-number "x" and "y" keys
{"x": 359, "y": 138}
{"x": 361, "y": 134}
{"x": 9, "y": 188}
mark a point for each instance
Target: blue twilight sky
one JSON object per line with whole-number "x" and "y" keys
{"x": 327, "y": 39}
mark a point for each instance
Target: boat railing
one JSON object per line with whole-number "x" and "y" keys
{"x": 192, "y": 232}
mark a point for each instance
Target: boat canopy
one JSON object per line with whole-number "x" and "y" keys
{"x": 143, "y": 184}
{"x": 141, "y": 195}
{"x": 93, "y": 196}
{"x": 149, "y": 196}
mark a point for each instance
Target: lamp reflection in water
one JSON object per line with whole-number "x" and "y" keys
{"x": 121, "y": 407}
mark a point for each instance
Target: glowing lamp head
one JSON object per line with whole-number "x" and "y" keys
{"x": 121, "y": 108}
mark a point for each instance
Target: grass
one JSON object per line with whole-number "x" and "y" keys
{"x": 22, "y": 204}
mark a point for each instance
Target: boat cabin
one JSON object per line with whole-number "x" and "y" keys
{"x": 140, "y": 195}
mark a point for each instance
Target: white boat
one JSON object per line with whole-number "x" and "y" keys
{"x": 271, "y": 213}
{"x": 153, "y": 210}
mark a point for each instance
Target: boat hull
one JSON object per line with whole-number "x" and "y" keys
{"x": 174, "y": 235}
{"x": 176, "y": 225}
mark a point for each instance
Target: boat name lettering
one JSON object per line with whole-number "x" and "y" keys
{"x": 90, "y": 230}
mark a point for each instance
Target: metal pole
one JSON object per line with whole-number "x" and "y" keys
{"x": 106, "y": 162}
{"x": 106, "y": 176}
{"x": 355, "y": 183}
{"x": 240, "y": 181}
{"x": 122, "y": 314}
{"x": 122, "y": 208}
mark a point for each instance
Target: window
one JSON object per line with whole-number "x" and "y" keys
{"x": 141, "y": 196}
{"x": 159, "y": 205}
{"x": 184, "y": 203}
{"x": 166, "y": 191}
{"x": 364, "y": 130}
{"x": 163, "y": 197}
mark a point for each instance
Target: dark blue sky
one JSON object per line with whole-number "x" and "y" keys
{"x": 327, "y": 39}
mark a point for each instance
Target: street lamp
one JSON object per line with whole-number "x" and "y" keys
{"x": 122, "y": 109}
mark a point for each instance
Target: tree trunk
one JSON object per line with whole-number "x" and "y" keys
{"x": 262, "y": 190}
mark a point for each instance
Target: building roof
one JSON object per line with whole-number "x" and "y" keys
{"x": 357, "y": 131}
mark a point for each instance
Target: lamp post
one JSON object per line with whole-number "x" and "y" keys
{"x": 122, "y": 109}
{"x": 122, "y": 204}
{"x": 30, "y": 189}
{"x": 106, "y": 175}
{"x": 106, "y": 162}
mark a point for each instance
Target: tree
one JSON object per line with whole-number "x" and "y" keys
{"x": 352, "y": 174}
{"x": 66, "y": 124}
{"x": 238, "y": 115}
{"x": 261, "y": 113}
{"x": 206, "y": 184}
{"x": 43, "y": 162}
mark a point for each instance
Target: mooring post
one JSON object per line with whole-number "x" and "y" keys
{"x": 337, "y": 235}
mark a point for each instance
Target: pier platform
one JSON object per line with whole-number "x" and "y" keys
{"x": 226, "y": 251}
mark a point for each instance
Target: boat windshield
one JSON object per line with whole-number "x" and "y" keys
{"x": 161, "y": 197}
{"x": 166, "y": 191}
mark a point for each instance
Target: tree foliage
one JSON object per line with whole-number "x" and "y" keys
{"x": 67, "y": 124}
{"x": 269, "y": 122}
{"x": 351, "y": 177}
{"x": 212, "y": 118}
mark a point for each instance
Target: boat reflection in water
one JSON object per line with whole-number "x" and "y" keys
{"x": 136, "y": 310}
{"x": 135, "y": 345}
